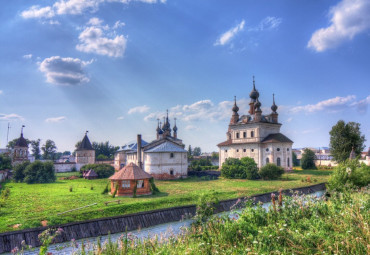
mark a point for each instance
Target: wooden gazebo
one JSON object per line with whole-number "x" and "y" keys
{"x": 126, "y": 179}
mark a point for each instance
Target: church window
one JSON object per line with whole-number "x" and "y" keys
{"x": 252, "y": 133}
{"x": 278, "y": 163}
{"x": 267, "y": 149}
{"x": 287, "y": 149}
{"x": 225, "y": 150}
{"x": 252, "y": 150}
{"x": 244, "y": 134}
{"x": 125, "y": 184}
{"x": 288, "y": 162}
{"x": 237, "y": 150}
{"x": 237, "y": 135}
{"x": 171, "y": 172}
{"x": 244, "y": 150}
{"x": 171, "y": 155}
{"x": 267, "y": 160}
{"x": 140, "y": 184}
{"x": 278, "y": 149}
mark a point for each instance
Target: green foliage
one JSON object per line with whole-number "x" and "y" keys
{"x": 49, "y": 150}
{"x": 101, "y": 156}
{"x": 197, "y": 151}
{"x": 198, "y": 164}
{"x": 344, "y": 136}
{"x": 19, "y": 171}
{"x": 302, "y": 225}
{"x": 39, "y": 172}
{"x": 271, "y": 172}
{"x": 115, "y": 191}
{"x": 106, "y": 189}
{"x": 5, "y": 162}
{"x": 295, "y": 160}
{"x": 349, "y": 174}
{"x": 103, "y": 148}
{"x": 4, "y": 196}
{"x": 205, "y": 206}
{"x": 35, "y": 148}
{"x": 153, "y": 187}
{"x": 215, "y": 155}
{"x": 307, "y": 160}
{"x": 245, "y": 168}
{"x": 102, "y": 170}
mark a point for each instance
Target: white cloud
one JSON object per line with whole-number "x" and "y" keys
{"x": 28, "y": 56}
{"x": 120, "y": 118}
{"x": 118, "y": 24}
{"x": 191, "y": 127}
{"x": 64, "y": 71}
{"x": 10, "y": 117}
{"x": 1, "y": 92}
{"x": 93, "y": 40}
{"x": 267, "y": 23}
{"x": 56, "y": 119}
{"x": 72, "y": 7}
{"x": 362, "y": 105}
{"x": 139, "y": 109}
{"x": 348, "y": 19}
{"x": 230, "y": 34}
{"x": 332, "y": 104}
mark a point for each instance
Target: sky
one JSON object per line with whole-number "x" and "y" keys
{"x": 113, "y": 67}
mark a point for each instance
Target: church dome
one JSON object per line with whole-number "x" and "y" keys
{"x": 21, "y": 142}
{"x": 274, "y": 106}
{"x": 235, "y": 107}
{"x": 257, "y": 104}
{"x": 254, "y": 93}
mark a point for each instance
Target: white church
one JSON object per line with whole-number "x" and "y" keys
{"x": 163, "y": 158}
{"x": 256, "y": 136}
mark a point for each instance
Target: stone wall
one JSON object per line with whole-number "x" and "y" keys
{"x": 64, "y": 167}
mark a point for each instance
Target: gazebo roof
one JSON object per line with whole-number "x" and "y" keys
{"x": 130, "y": 172}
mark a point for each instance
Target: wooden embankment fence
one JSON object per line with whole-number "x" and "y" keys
{"x": 104, "y": 226}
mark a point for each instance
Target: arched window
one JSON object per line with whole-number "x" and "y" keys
{"x": 171, "y": 155}
{"x": 288, "y": 162}
{"x": 267, "y": 160}
{"x": 237, "y": 150}
{"x": 237, "y": 135}
{"x": 278, "y": 163}
{"x": 171, "y": 172}
{"x": 252, "y": 133}
{"x": 244, "y": 134}
{"x": 278, "y": 149}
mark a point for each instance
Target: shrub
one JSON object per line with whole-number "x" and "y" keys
{"x": 102, "y": 170}
{"x": 349, "y": 173}
{"x": 244, "y": 168}
{"x": 153, "y": 187}
{"x": 105, "y": 191}
{"x": 308, "y": 159}
{"x": 271, "y": 172}
{"x": 201, "y": 164}
{"x": 5, "y": 162}
{"x": 39, "y": 172}
{"x": 19, "y": 171}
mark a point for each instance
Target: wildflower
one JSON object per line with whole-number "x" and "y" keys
{"x": 255, "y": 241}
{"x": 248, "y": 249}
{"x": 15, "y": 250}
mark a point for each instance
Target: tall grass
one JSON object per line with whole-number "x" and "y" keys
{"x": 301, "y": 225}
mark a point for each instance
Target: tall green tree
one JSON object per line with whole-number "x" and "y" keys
{"x": 295, "y": 160}
{"x": 35, "y": 148}
{"x": 49, "y": 149}
{"x": 190, "y": 151}
{"x": 5, "y": 162}
{"x": 308, "y": 159}
{"x": 197, "y": 151}
{"x": 344, "y": 136}
{"x": 104, "y": 148}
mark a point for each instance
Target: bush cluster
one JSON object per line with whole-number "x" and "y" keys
{"x": 202, "y": 164}
{"x": 271, "y": 172}
{"x": 36, "y": 172}
{"x": 349, "y": 173}
{"x": 102, "y": 170}
{"x": 244, "y": 168}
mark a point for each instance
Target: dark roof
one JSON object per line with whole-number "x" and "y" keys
{"x": 85, "y": 144}
{"x": 91, "y": 173}
{"x": 276, "y": 138}
{"x": 130, "y": 172}
{"x": 228, "y": 142}
{"x": 21, "y": 142}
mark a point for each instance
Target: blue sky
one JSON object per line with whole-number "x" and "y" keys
{"x": 114, "y": 66}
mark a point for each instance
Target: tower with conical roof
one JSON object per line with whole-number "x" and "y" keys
{"x": 175, "y": 130}
{"x": 20, "y": 152}
{"x": 235, "y": 117}
{"x": 85, "y": 153}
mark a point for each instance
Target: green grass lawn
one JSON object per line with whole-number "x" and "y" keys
{"x": 29, "y": 204}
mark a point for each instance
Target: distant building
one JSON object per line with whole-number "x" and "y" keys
{"x": 20, "y": 151}
{"x": 85, "y": 153}
{"x": 256, "y": 136}
{"x": 163, "y": 158}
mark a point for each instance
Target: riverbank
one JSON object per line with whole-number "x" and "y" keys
{"x": 30, "y": 206}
